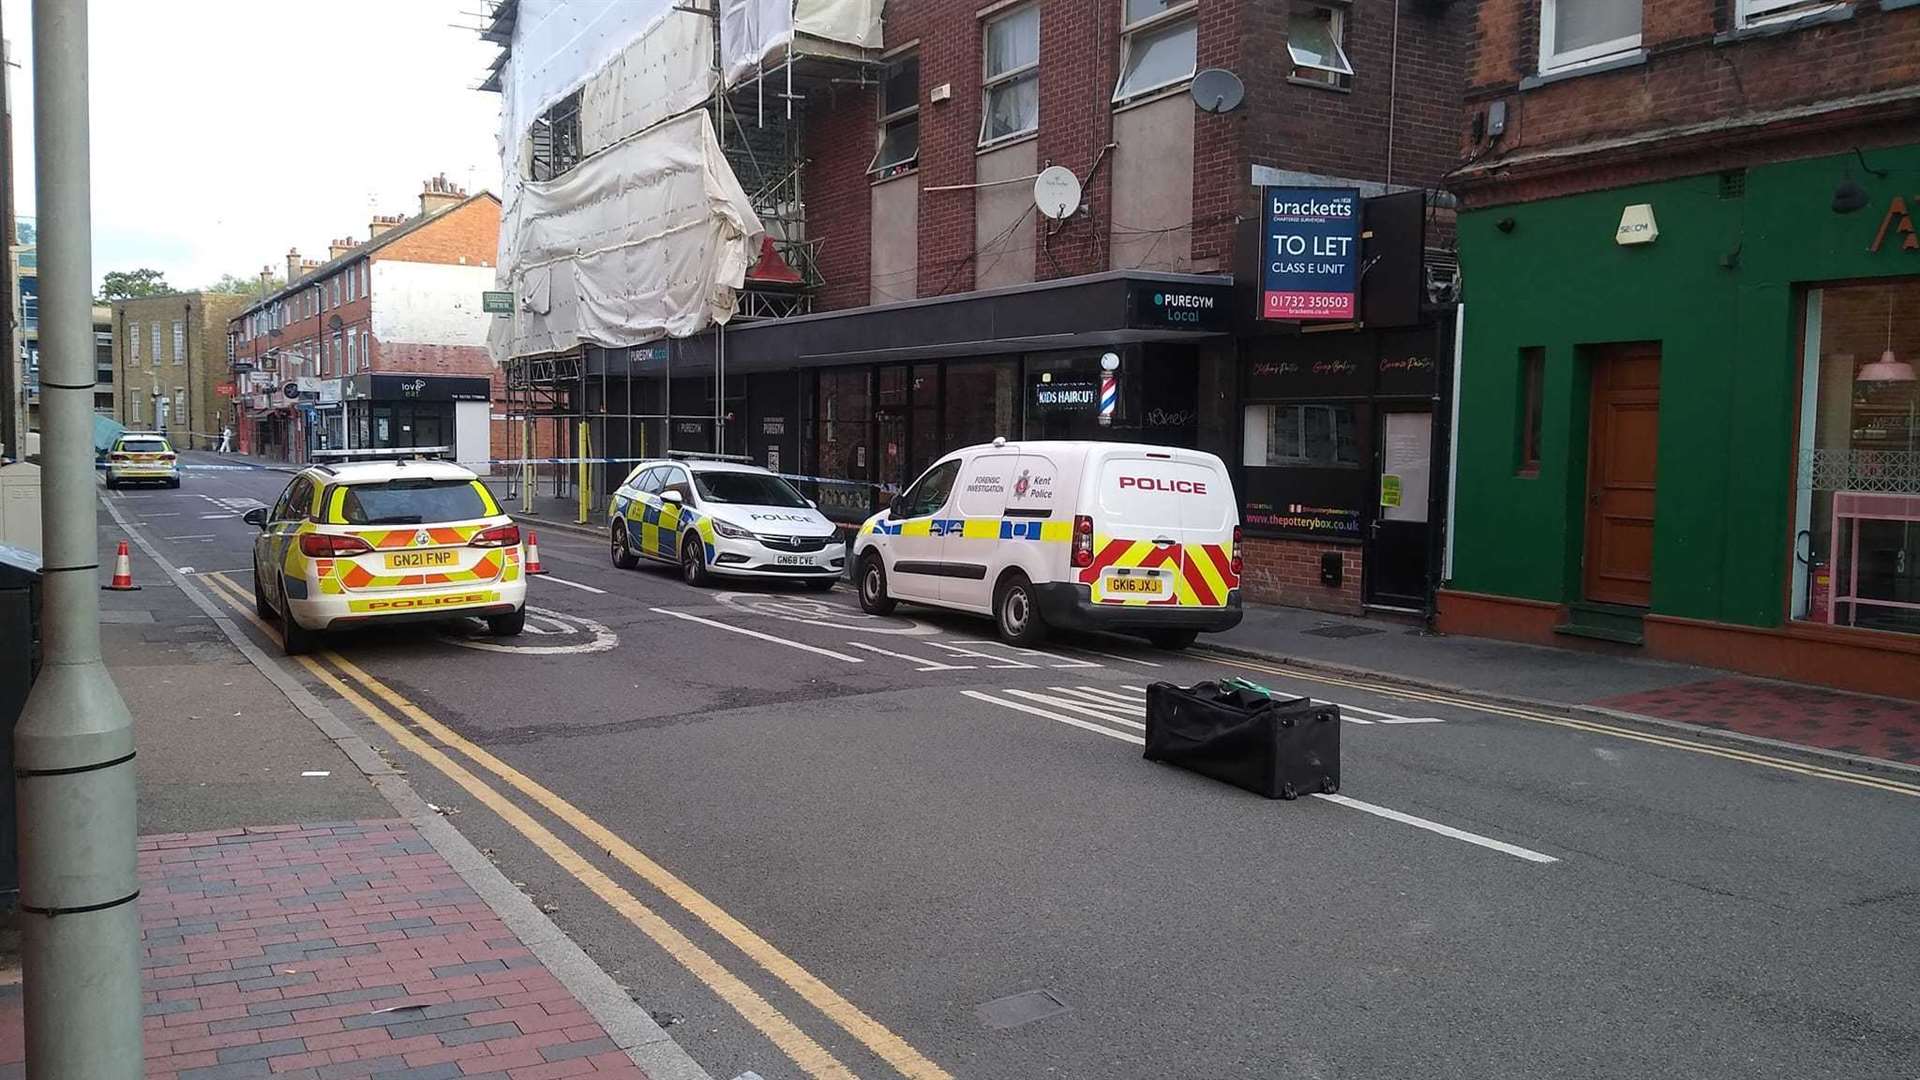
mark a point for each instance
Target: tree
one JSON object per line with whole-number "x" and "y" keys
{"x": 127, "y": 284}
{"x": 240, "y": 286}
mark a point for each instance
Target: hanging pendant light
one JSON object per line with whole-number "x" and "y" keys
{"x": 1888, "y": 368}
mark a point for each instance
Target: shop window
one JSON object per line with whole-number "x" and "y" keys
{"x": 1159, "y": 46}
{"x": 1533, "y": 378}
{"x": 979, "y": 404}
{"x": 1311, "y": 435}
{"x": 1578, "y": 31}
{"x": 1012, "y": 76}
{"x": 1316, "y": 34}
{"x": 1856, "y": 547}
{"x": 845, "y": 409}
{"x": 899, "y": 118}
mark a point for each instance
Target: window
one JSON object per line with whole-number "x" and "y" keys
{"x": 353, "y": 351}
{"x": 1855, "y": 558}
{"x": 133, "y": 339}
{"x": 353, "y": 279}
{"x": 1314, "y": 36}
{"x": 746, "y": 488}
{"x": 29, "y": 303}
{"x": 1159, "y": 43}
{"x": 1576, "y": 31}
{"x": 133, "y": 408}
{"x": 156, "y": 342}
{"x": 1302, "y": 436}
{"x": 179, "y": 341}
{"x": 555, "y": 139}
{"x": 899, "y": 118}
{"x": 339, "y": 358}
{"x": 1012, "y": 76}
{"x": 1757, "y": 12}
{"x": 366, "y": 279}
{"x": 413, "y": 502}
{"x": 929, "y": 494}
{"x": 1533, "y": 377}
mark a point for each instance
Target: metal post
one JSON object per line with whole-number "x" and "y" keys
{"x": 73, "y": 749}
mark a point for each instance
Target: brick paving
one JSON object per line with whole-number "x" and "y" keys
{"x": 328, "y": 952}
{"x": 1813, "y": 716}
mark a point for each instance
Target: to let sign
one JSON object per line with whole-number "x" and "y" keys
{"x": 1310, "y": 253}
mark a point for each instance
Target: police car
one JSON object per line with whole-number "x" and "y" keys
{"x": 140, "y": 457}
{"x": 385, "y": 536}
{"x": 717, "y": 516}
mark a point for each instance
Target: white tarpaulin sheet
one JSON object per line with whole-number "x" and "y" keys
{"x": 753, "y": 32}
{"x": 645, "y": 239}
{"x": 668, "y": 71}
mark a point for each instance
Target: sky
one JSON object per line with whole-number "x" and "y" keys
{"x": 226, "y": 131}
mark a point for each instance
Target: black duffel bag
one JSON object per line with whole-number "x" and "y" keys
{"x": 1277, "y": 747}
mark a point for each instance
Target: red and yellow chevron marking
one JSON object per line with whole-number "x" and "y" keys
{"x": 1201, "y": 579}
{"x": 440, "y": 536}
{"x": 355, "y": 576}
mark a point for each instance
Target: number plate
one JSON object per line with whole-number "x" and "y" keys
{"x": 418, "y": 560}
{"x": 1144, "y": 586}
{"x": 792, "y": 560}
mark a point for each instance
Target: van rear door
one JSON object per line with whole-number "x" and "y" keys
{"x": 1209, "y": 515}
{"x": 1145, "y": 517}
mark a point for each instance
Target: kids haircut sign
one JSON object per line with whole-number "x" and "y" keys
{"x": 1309, "y": 253}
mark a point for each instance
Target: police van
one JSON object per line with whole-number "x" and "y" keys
{"x": 1076, "y": 535}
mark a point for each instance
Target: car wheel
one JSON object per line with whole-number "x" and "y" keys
{"x": 623, "y": 556}
{"x": 112, "y": 483}
{"x": 693, "y": 561}
{"x": 1016, "y": 614}
{"x": 260, "y": 605}
{"x": 508, "y": 625}
{"x": 1172, "y": 640}
{"x": 296, "y": 640}
{"x": 873, "y": 587}
{"x": 174, "y": 483}
{"x": 821, "y": 584}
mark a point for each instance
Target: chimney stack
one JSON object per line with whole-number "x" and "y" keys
{"x": 266, "y": 280}
{"x": 381, "y": 223}
{"x": 293, "y": 264}
{"x": 340, "y": 247}
{"x": 439, "y": 193}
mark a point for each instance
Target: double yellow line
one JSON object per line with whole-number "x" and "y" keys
{"x": 1746, "y": 757}
{"x": 393, "y": 713}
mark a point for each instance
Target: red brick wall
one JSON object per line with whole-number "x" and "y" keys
{"x": 468, "y": 235}
{"x": 839, "y": 137}
{"x": 416, "y": 359}
{"x": 1288, "y": 572}
{"x": 1687, "y": 79}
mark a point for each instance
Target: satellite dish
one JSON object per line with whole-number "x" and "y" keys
{"x": 1217, "y": 90}
{"x": 1056, "y": 191}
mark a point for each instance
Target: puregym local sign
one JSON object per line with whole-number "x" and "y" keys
{"x": 1309, "y": 253}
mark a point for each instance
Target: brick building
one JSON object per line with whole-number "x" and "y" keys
{"x": 915, "y": 295}
{"x": 381, "y": 344}
{"x": 1688, "y": 401}
{"x": 169, "y": 363}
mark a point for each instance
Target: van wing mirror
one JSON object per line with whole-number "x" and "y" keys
{"x": 256, "y": 517}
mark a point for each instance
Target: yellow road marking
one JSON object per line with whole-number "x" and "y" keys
{"x": 891, "y": 1048}
{"x": 1746, "y": 757}
{"x": 809, "y": 1055}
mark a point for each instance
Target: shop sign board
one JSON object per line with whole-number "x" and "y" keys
{"x": 1067, "y": 394}
{"x": 1897, "y": 223}
{"x": 225, "y": 390}
{"x": 1309, "y": 253}
{"x": 424, "y": 388}
{"x": 496, "y": 303}
{"x": 1165, "y": 306}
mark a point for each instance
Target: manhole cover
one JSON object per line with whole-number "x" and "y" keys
{"x": 1015, "y": 1010}
{"x": 1341, "y": 630}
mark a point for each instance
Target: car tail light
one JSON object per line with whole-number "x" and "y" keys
{"x": 166, "y": 457}
{"x": 1235, "y": 561}
{"x": 329, "y": 546}
{"x": 498, "y": 536}
{"x": 1082, "y": 542}
{"x": 116, "y": 456}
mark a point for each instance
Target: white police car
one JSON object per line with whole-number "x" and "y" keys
{"x": 713, "y": 516}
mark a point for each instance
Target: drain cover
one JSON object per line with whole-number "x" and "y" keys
{"x": 1015, "y": 1010}
{"x": 1341, "y": 630}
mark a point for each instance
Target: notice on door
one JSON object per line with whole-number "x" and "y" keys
{"x": 1389, "y": 490}
{"x": 1406, "y": 465}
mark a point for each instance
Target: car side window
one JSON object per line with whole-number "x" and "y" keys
{"x": 649, "y": 483}
{"x": 674, "y": 478}
{"x": 279, "y": 512}
{"x": 930, "y": 492}
{"x": 299, "y": 499}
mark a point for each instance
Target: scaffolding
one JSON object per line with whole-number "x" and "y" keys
{"x": 575, "y": 422}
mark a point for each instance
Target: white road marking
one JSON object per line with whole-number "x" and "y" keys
{"x": 170, "y": 513}
{"x": 1384, "y": 717}
{"x": 603, "y": 637}
{"x": 195, "y": 536}
{"x": 1006, "y": 663}
{"x": 1115, "y": 656}
{"x": 1070, "y": 663}
{"x": 822, "y": 613}
{"x": 1073, "y": 700}
{"x": 1124, "y": 699}
{"x": 190, "y": 571}
{"x": 574, "y": 584}
{"x": 929, "y": 665}
{"x": 1069, "y": 720}
{"x": 802, "y": 646}
{"x": 1444, "y": 830}
{"x": 317, "y": 772}
{"x": 213, "y": 517}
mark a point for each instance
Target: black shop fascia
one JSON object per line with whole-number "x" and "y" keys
{"x": 395, "y": 410}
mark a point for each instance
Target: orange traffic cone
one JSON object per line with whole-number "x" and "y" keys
{"x": 122, "y": 571}
{"x": 533, "y": 554}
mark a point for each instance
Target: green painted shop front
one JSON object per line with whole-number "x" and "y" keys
{"x": 1722, "y": 296}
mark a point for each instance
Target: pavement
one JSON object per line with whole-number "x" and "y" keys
{"x": 813, "y": 843}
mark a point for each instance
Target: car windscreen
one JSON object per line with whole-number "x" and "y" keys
{"x": 143, "y": 446}
{"x": 413, "y": 502}
{"x": 746, "y": 488}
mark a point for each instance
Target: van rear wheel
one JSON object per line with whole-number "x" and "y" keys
{"x": 1016, "y": 614}
{"x": 1172, "y": 640}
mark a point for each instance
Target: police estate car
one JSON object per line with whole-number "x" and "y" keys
{"x": 401, "y": 539}
{"x": 142, "y": 457}
{"x": 714, "y": 516}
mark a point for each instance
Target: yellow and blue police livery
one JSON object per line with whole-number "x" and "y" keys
{"x": 395, "y": 539}
{"x": 714, "y": 516}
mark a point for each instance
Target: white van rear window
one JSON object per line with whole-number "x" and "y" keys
{"x": 1158, "y": 494}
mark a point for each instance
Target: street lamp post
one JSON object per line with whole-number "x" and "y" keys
{"x": 73, "y": 747}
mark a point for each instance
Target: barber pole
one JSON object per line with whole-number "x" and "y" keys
{"x": 1109, "y": 396}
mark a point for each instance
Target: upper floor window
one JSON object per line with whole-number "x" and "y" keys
{"x": 1159, "y": 44}
{"x": 1757, "y": 12}
{"x": 1012, "y": 76}
{"x": 156, "y": 342}
{"x": 1576, "y": 31}
{"x": 1315, "y": 37}
{"x": 899, "y": 117}
{"x": 133, "y": 338}
{"x": 179, "y": 341}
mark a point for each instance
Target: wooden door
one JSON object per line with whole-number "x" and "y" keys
{"x": 1623, "y": 442}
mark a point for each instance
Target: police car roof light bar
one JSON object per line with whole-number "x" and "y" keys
{"x": 695, "y": 455}
{"x": 395, "y": 453}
